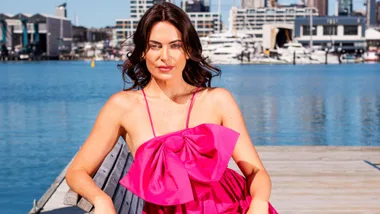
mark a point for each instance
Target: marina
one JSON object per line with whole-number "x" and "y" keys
{"x": 306, "y": 81}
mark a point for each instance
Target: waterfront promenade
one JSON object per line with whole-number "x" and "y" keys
{"x": 306, "y": 179}
{"x": 319, "y": 179}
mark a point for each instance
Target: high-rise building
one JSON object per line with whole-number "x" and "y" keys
{"x": 158, "y": 1}
{"x": 270, "y": 3}
{"x": 139, "y": 7}
{"x": 344, "y": 7}
{"x": 252, "y": 3}
{"x": 322, "y": 6}
{"x": 254, "y": 20}
{"x": 196, "y": 5}
{"x": 204, "y": 21}
{"x": 378, "y": 12}
{"x": 371, "y": 12}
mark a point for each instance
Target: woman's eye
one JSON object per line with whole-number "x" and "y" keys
{"x": 176, "y": 46}
{"x": 154, "y": 46}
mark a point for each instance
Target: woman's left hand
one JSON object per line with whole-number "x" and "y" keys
{"x": 258, "y": 207}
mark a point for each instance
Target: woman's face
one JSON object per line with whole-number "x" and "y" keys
{"x": 165, "y": 56}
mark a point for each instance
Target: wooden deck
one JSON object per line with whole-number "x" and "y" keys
{"x": 305, "y": 180}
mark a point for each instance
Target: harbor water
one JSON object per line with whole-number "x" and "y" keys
{"x": 47, "y": 109}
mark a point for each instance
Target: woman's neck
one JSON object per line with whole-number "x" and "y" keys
{"x": 172, "y": 90}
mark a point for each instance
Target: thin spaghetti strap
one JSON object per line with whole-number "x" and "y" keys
{"x": 190, "y": 107}
{"x": 150, "y": 116}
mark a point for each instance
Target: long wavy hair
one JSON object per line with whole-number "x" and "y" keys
{"x": 197, "y": 71}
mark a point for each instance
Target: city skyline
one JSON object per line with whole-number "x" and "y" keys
{"x": 88, "y": 13}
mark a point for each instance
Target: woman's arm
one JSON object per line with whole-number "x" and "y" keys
{"x": 99, "y": 143}
{"x": 244, "y": 154}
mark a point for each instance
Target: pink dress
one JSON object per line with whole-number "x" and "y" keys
{"x": 186, "y": 172}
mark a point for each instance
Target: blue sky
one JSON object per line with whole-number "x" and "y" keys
{"x": 100, "y": 13}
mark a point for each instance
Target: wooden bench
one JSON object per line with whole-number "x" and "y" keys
{"x": 107, "y": 177}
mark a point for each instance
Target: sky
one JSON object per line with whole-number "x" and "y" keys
{"x": 100, "y": 13}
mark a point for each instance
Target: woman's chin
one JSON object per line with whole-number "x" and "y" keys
{"x": 164, "y": 76}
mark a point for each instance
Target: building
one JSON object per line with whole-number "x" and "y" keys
{"x": 61, "y": 11}
{"x": 373, "y": 38}
{"x": 138, "y": 7}
{"x": 82, "y": 34}
{"x": 196, "y": 5}
{"x": 204, "y": 22}
{"x": 301, "y": 2}
{"x": 47, "y": 34}
{"x": 378, "y": 12}
{"x": 79, "y": 34}
{"x": 245, "y": 4}
{"x": 345, "y": 33}
{"x": 271, "y": 3}
{"x": 321, "y": 5}
{"x": 371, "y": 12}
{"x": 259, "y": 22}
{"x": 126, "y": 27}
{"x": 344, "y": 7}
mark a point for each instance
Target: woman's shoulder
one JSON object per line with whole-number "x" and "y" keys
{"x": 218, "y": 95}
{"x": 123, "y": 99}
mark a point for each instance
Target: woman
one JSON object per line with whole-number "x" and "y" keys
{"x": 180, "y": 131}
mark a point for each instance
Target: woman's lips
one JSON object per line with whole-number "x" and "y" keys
{"x": 165, "y": 68}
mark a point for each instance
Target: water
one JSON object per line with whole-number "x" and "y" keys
{"x": 47, "y": 110}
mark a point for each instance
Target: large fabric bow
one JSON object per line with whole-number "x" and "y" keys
{"x": 179, "y": 167}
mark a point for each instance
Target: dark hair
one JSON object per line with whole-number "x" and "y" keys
{"x": 197, "y": 71}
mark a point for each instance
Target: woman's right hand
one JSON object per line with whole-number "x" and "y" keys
{"x": 104, "y": 205}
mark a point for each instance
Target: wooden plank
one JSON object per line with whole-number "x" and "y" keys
{"x": 127, "y": 199}
{"x": 71, "y": 198}
{"x": 55, "y": 203}
{"x": 102, "y": 174}
{"x": 125, "y": 207}
{"x": 38, "y": 206}
{"x": 327, "y": 153}
{"x": 140, "y": 206}
{"x": 121, "y": 190}
{"x": 317, "y": 180}
{"x": 116, "y": 173}
{"x": 133, "y": 208}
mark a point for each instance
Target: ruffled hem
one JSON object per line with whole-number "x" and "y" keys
{"x": 229, "y": 195}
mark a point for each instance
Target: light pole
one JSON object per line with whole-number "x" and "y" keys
{"x": 219, "y": 15}
{"x": 311, "y": 29}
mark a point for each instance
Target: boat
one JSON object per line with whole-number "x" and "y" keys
{"x": 371, "y": 56}
{"x": 349, "y": 58}
{"x": 225, "y": 48}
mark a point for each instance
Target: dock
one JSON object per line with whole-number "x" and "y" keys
{"x": 305, "y": 179}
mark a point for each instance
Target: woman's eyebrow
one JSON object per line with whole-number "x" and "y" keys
{"x": 156, "y": 42}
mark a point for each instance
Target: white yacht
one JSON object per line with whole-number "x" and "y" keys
{"x": 225, "y": 47}
{"x": 228, "y": 53}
